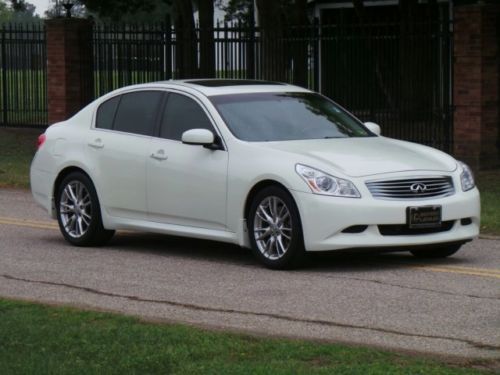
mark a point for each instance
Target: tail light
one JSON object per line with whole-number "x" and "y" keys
{"x": 41, "y": 141}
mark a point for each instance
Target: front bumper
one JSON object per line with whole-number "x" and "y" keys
{"x": 325, "y": 217}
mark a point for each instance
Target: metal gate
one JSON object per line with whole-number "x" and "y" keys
{"x": 23, "y": 75}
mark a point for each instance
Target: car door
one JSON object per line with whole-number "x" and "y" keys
{"x": 186, "y": 184}
{"x": 118, "y": 146}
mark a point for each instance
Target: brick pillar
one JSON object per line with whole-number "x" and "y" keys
{"x": 476, "y": 85}
{"x": 69, "y": 66}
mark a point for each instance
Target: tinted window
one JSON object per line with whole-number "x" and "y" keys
{"x": 286, "y": 116}
{"x": 106, "y": 113}
{"x": 137, "y": 112}
{"x": 181, "y": 114}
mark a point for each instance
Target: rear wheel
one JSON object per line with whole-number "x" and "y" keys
{"x": 79, "y": 212}
{"x": 439, "y": 252}
{"x": 274, "y": 229}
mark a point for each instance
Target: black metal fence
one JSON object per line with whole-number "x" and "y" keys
{"x": 23, "y": 75}
{"x": 398, "y": 79}
{"x": 396, "y": 76}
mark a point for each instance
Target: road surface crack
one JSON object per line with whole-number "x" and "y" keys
{"x": 252, "y": 313}
{"x": 411, "y": 287}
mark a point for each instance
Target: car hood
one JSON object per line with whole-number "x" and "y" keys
{"x": 358, "y": 157}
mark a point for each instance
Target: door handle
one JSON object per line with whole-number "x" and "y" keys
{"x": 97, "y": 143}
{"x": 159, "y": 155}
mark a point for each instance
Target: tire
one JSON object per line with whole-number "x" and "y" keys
{"x": 438, "y": 252}
{"x": 275, "y": 230}
{"x": 81, "y": 223}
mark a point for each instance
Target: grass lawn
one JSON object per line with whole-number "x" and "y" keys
{"x": 37, "y": 339}
{"x": 17, "y": 147}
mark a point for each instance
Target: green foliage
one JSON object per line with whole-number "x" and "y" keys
{"x": 20, "y": 11}
{"x": 129, "y": 11}
{"x": 47, "y": 340}
{"x": 237, "y": 10}
{"x": 5, "y": 12}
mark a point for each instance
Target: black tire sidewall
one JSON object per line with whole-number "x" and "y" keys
{"x": 95, "y": 228}
{"x": 296, "y": 251}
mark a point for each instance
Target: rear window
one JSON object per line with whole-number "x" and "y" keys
{"x": 137, "y": 112}
{"x": 106, "y": 113}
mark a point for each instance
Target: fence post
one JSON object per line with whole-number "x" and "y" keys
{"x": 316, "y": 54}
{"x": 168, "y": 48}
{"x": 5, "y": 91}
{"x": 69, "y": 66}
{"x": 251, "y": 49}
{"x": 476, "y": 87}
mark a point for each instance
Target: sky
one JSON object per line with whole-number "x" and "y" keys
{"x": 41, "y": 5}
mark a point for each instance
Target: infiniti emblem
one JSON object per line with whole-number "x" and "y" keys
{"x": 418, "y": 187}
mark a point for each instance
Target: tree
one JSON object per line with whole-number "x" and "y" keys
{"x": 207, "y": 44}
{"x": 23, "y": 11}
{"x": 130, "y": 11}
{"x": 241, "y": 11}
{"x": 186, "y": 54}
{"x": 57, "y": 10}
{"x": 5, "y": 12}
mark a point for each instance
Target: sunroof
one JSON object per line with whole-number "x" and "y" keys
{"x": 230, "y": 82}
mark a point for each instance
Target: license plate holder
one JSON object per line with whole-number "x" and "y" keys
{"x": 423, "y": 217}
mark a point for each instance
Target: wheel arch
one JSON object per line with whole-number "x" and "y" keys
{"x": 60, "y": 177}
{"x": 256, "y": 188}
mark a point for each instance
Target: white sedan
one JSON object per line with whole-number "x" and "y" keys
{"x": 273, "y": 167}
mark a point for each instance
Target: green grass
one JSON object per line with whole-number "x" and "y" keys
{"x": 17, "y": 147}
{"x": 37, "y": 339}
{"x": 489, "y": 186}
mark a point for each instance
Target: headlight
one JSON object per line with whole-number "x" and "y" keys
{"x": 322, "y": 183}
{"x": 467, "y": 178}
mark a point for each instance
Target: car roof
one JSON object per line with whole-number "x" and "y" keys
{"x": 212, "y": 87}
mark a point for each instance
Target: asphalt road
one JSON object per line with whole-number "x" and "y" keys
{"x": 446, "y": 307}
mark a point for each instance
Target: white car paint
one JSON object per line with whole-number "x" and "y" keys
{"x": 165, "y": 186}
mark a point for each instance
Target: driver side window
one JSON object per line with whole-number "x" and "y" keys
{"x": 182, "y": 113}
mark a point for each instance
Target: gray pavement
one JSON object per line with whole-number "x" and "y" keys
{"x": 445, "y": 307}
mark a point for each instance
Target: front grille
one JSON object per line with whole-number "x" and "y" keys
{"x": 405, "y": 230}
{"x": 412, "y": 188}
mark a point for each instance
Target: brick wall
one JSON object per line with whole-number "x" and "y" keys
{"x": 69, "y": 66}
{"x": 476, "y": 85}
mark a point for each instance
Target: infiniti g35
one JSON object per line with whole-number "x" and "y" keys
{"x": 273, "y": 167}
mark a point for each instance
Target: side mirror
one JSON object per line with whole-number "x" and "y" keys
{"x": 374, "y": 128}
{"x": 201, "y": 137}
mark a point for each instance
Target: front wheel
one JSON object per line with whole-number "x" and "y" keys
{"x": 275, "y": 230}
{"x": 439, "y": 252}
{"x": 79, "y": 212}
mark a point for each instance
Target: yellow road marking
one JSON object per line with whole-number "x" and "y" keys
{"x": 471, "y": 271}
{"x": 28, "y": 223}
{"x": 485, "y": 272}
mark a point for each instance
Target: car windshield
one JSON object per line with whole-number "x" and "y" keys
{"x": 284, "y": 116}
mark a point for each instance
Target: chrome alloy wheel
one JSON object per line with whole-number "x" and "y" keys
{"x": 272, "y": 228}
{"x": 75, "y": 209}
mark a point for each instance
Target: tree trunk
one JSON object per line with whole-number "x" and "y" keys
{"x": 207, "y": 45}
{"x": 359, "y": 8}
{"x": 300, "y": 30}
{"x": 272, "y": 51}
{"x": 186, "y": 58}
